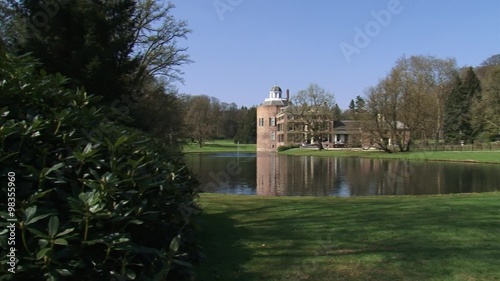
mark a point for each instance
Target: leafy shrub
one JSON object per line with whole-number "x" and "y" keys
{"x": 287, "y": 147}
{"x": 94, "y": 200}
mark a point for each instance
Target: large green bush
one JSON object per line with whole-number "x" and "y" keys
{"x": 94, "y": 200}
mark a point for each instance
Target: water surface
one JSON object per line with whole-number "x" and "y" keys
{"x": 278, "y": 175}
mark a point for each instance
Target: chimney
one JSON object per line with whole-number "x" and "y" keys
{"x": 287, "y": 95}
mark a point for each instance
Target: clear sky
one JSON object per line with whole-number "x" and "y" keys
{"x": 241, "y": 48}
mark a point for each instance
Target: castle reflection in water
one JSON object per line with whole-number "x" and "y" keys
{"x": 339, "y": 176}
{"x": 313, "y": 176}
{"x": 272, "y": 174}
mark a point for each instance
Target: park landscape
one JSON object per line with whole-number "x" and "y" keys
{"x": 95, "y": 134}
{"x": 425, "y": 237}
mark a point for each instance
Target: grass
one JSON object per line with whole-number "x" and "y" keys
{"x": 445, "y": 237}
{"x": 219, "y": 146}
{"x": 456, "y": 156}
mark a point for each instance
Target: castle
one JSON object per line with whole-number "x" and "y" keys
{"x": 276, "y": 127}
{"x": 267, "y": 114}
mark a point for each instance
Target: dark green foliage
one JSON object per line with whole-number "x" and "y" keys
{"x": 94, "y": 200}
{"x": 88, "y": 42}
{"x": 472, "y": 88}
{"x": 231, "y": 116}
{"x": 458, "y": 110}
{"x": 453, "y": 118}
{"x": 287, "y": 147}
{"x": 247, "y": 129}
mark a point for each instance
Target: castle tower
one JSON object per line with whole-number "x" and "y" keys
{"x": 266, "y": 120}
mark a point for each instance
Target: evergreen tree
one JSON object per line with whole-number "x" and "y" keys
{"x": 89, "y": 42}
{"x": 458, "y": 111}
{"x": 454, "y": 109}
{"x": 337, "y": 112}
{"x": 352, "y": 105}
{"x": 247, "y": 130}
{"x": 472, "y": 89}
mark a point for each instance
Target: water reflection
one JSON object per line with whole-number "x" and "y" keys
{"x": 272, "y": 174}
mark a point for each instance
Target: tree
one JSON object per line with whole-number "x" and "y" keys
{"x": 472, "y": 88}
{"x": 492, "y": 61}
{"x": 313, "y": 111}
{"x": 381, "y": 121}
{"x": 8, "y": 32}
{"x": 89, "y": 42}
{"x": 200, "y": 117}
{"x": 247, "y": 128}
{"x": 408, "y": 103}
{"x": 337, "y": 112}
{"x": 458, "y": 118}
{"x": 159, "y": 111}
{"x": 155, "y": 41}
{"x": 486, "y": 110}
{"x": 230, "y": 118}
{"x": 125, "y": 51}
{"x": 455, "y": 107}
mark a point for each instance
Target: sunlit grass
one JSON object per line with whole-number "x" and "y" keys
{"x": 219, "y": 146}
{"x": 459, "y": 156}
{"x": 444, "y": 237}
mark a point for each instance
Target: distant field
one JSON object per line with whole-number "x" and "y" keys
{"x": 458, "y": 156}
{"x": 219, "y": 146}
{"x": 440, "y": 238}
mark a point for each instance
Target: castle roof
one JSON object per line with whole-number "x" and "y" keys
{"x": 276, "y": 88}
{"x": 278, "y": 102}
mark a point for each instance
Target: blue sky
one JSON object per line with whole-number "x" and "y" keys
{"x": 241, "y": 48}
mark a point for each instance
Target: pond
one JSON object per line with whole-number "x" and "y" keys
{"x": 284, "y": 175}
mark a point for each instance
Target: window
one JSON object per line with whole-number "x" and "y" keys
{"x": 272, "y": 121}
{"x": 261, "y": 121}
{"x": 273, "y": 136}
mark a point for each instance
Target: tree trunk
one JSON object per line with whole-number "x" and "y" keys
{"x": 320, "y": 145}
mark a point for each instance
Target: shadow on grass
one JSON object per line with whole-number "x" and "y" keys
{"x": 407, "y": 238}
{"x": 221, "y": 242}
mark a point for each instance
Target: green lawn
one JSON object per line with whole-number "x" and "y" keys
{"x": 446, "y": 237}
{"x": 219, "y": 146}
{"x": 459, "y": 156}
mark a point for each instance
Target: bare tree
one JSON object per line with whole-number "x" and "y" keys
{"x": 313, "y": 110}
{"x": 381, "y": 121}
{"x": 409, "y": 102}
{"x": 155, "y": 42}
{"x": 200, "y": 117}
{"x": 486, "y": 110}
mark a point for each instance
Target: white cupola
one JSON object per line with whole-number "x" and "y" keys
{"x": 275, "y": 92}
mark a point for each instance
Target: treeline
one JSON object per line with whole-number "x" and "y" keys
{"x": 207, "y": 118}
{"x": 431, "y": 100}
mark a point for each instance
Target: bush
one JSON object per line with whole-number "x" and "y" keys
{"x": 287, "y": 147}
{"x": 485, "y": 137}
{"x": 94, "y": 200}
